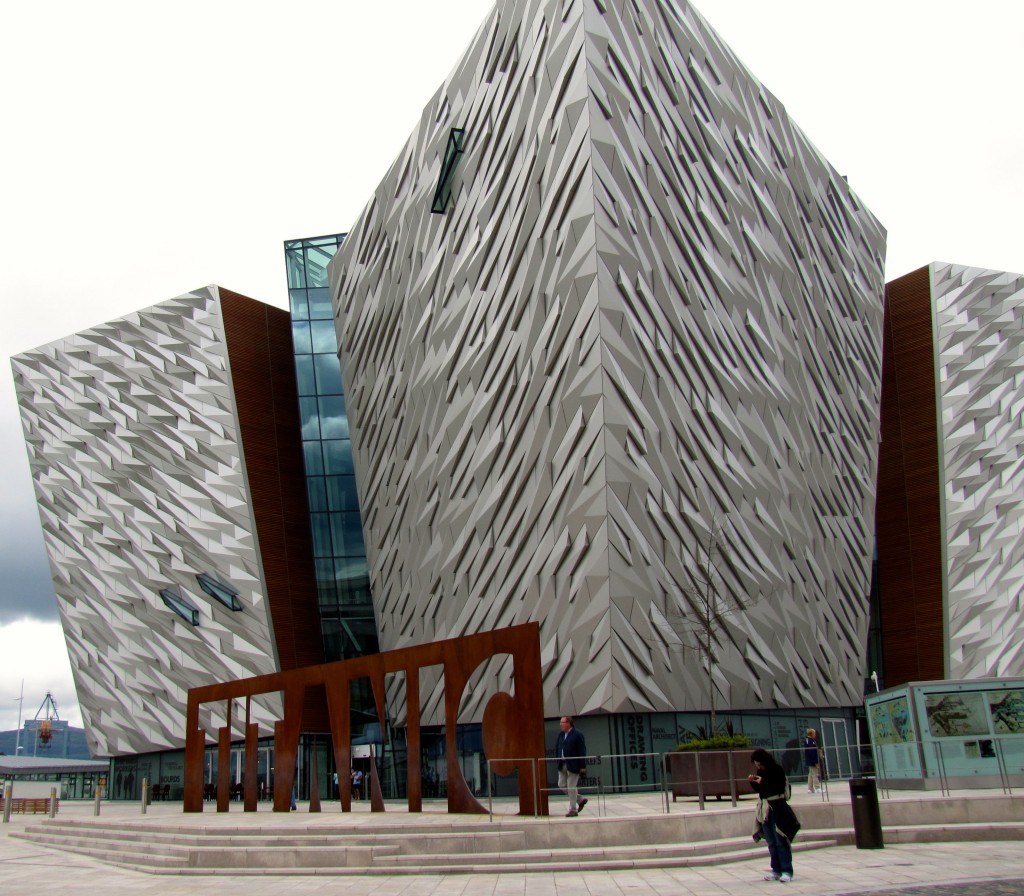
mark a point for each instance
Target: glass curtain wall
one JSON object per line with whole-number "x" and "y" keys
{"x": 346, "y": 610}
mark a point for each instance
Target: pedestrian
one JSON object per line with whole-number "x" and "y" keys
{"x": 778, "y": 823}
{"x": 570, "y": 751}
{"x": 337, "y": 792}
{"x": 357, "y": 784}
{"x": 811, "y": 759}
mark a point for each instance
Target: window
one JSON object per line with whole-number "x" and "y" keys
{"x": 323, "y": 338}
{"x": 174, "y": 597}
{"x": 320, "y": 304}
{"x": 219, "y": 590}
{"x": 456, "y": 144}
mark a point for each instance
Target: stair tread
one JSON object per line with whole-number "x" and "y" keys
{"x": 483, "y": 868}
{"x": 374, "y": 848}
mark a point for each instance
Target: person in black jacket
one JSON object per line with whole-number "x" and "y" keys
{"x": 570, "y": 748}
{"x": 778, "y": 823}
{"x": 811, "y": 761}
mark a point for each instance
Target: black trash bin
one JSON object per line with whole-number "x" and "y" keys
{"x": 867, "y": 820}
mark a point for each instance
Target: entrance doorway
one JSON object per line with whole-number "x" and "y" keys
{"x": 840, "y": 752}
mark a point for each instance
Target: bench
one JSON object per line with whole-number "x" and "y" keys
{"x": 35, "y": 805}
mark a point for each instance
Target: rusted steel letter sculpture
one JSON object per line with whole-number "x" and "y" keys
{"x": 513, "y": 726}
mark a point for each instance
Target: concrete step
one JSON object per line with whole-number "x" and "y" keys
{"x": 476, "y": 846}
{"x": 600, "y": 863}
{"x": 580, "y": 853}
{"x": 443, "y": 841}
{"x": 88, "y": 845}
{"x": 153, "y": 858}
{"x": 311, "y": 857}
{"x": 154, "y": 863}
{"x": 260, "y": 852}
{"x": 144, "y": 827}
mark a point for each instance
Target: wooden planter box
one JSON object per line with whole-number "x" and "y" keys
{"x": 715, "y": 773}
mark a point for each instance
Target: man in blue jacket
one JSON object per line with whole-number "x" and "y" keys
{"x": 570, "y": 748}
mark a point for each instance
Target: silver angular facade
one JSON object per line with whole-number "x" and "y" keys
{"x": 651, "y": 304}
{"x": 135, "y": 452}
{"x": 979, "y": 355}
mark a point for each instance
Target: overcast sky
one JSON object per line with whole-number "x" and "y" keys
{"x": 151, "y": 149}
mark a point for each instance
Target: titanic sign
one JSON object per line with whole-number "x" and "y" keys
{"x": 513, "y": 726}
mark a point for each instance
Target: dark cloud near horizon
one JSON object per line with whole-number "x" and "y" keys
{"x": 26, "y": 589}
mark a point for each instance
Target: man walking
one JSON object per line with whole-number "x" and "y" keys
{"x": 570, "y": 748}
{"x": 811, "y": 761}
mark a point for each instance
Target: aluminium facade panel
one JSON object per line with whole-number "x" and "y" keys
{"x": 650, "y": 308}
{"x": 979, "y": 371}
{"x": 951, "y": 475}
{"x": 136, "y": 456}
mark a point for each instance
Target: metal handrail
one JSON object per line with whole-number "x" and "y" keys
{"x": 1004, "y": 774}
{"x": 596, "y": 789}
{"x": 924, "y": 759}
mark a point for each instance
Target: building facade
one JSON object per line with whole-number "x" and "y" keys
{"x": 950, "y": 515}
{"x": 609, "y": 308}
{"x": 164, "y": 448}
{"x": 611, "y": 342}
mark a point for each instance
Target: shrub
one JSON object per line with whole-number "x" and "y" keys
{"x": 720, "y": 742}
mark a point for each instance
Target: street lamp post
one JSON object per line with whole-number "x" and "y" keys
{"x": 17, "y": 735}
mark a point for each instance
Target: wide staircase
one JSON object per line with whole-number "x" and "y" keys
{"x": 442, "y": 848}
{"x": 405, "y": 844}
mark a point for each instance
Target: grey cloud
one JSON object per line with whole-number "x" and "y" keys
{"x": 26, "y": 589}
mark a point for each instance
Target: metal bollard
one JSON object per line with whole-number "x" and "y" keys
{"x": 145, "y": 794}
{"x": 53, "y": 802}
{"x": 96, "y": 804}
{"x": 8, "y": 788}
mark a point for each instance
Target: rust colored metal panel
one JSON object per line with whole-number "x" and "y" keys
{"x": 376, "y": 794}
{"x": 513, "y": 726}
{"x": 263, "y": 372}
{"x": 224, "y": 764}
{"x": 286, "y": 738}
{"x": 907, "y": 513}
{"x": 195, "y": 747}
{"x": 414, "y": 741}
{"x": 252, "y": 736}
{"x": 339, "y": 700}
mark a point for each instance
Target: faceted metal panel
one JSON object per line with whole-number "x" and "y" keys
{"x": 979, "y": 327}
{"x": 135, "y": 454}
{"x": 650, "y": 304}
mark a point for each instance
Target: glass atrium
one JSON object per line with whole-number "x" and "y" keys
{"x": 346, "y": 609}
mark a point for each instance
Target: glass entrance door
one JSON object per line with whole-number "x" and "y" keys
{"x": 840, "y": 753}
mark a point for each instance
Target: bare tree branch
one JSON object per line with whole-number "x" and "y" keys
{"x": 705, "y": 606}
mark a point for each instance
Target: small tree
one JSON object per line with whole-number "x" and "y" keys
{"x": 704, "y": 607}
